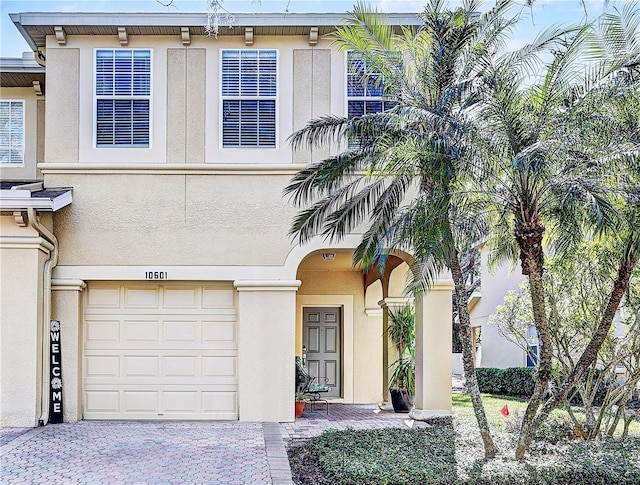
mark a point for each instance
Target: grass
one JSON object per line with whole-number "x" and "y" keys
{"x": 453, "y": 454}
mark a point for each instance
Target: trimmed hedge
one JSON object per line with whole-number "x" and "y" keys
{"x": 512, "y": 381}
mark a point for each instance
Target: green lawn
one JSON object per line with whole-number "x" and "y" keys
{"x": 452, "y": 453}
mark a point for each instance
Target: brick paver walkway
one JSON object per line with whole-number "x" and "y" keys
{"x": 341, "y": 416}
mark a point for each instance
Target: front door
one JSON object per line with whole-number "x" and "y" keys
{"x": 321, "y": 341}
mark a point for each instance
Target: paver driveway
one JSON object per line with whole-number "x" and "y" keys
{"x": 120, "y": 452}
{"x": 145, "y": 452}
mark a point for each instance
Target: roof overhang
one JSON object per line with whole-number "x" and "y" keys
{"x": 20, "y": 72}
{"x": 18, "y": 196}
{"x": 36, "y": 26}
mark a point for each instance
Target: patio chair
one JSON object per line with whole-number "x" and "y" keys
{"x": 309, "y": 386}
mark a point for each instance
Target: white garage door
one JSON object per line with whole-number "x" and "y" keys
{"x": 160, "y": 351}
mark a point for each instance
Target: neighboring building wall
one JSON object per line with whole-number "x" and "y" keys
{"x": 33, "y": 134}
{"x": 22, "y": 253}
{"x": 496, "y": 351}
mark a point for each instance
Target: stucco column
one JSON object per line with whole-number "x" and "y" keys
{"x": 23, "y": 253}
{"x": 433, "y": 351}
{"x": 266, "y": 349}
{"x": 67, "y": 309}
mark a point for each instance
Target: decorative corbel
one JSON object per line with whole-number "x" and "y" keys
{"x": 20, "y": 218}
{"x": 186, "y": 37}
{"x": 313, "y": 35}
{"x": 61, "y": 36}
{"x": 122, "y": 35}
{"x": 248, "y": 35}
{"x": 37, "y": 88}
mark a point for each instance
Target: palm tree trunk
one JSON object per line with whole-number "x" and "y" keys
{"x": 590, "y": 353}
{"x": 529, "y": 237}
{"x": 460, "y": 300}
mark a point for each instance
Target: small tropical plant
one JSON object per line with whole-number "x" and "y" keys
{"x": 401, "y": 332}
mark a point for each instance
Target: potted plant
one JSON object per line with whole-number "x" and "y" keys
{"x": 401, "y": 331}
{"x": 300, "y": 402}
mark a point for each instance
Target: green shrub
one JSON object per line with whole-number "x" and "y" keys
{"x": 512, "y": 381}
{"x": 385, "y": 456}
{"x": 438, "y": 455}
{"x": 555, "y": 429}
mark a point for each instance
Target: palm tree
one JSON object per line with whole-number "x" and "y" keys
{"x": 552, "y": 151}
{"x": 417, "y": 144}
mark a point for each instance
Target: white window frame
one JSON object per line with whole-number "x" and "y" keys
{"x": 365, "y": 98}
{"x": 96, "y": 97}
{"x": 20, "y": 163}
{"x": 274, "y": 98}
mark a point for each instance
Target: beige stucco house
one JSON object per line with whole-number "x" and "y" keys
{"x": 142, "y": 208}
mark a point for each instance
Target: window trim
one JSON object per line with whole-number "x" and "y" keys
{"x": 24, "y": 134}
{"x": 95, "y": 96}
{"x": 222, "y": 99}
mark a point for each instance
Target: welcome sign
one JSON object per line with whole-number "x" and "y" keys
{"x": 55, "y": 407}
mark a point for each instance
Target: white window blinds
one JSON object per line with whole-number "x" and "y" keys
{"x": 12, "y": 132}
{"x": 364, "y": 88}
{"x": 249, "y": 89}
{"x": 123, "y": 91}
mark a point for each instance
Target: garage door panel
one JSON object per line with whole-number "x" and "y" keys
{"x": 142, "y": 297}
{"x": 176, "y": 297}
{"x": 181, "y": 331}
{"x": 141, "y": 401}
{"x": 174, "y": 366}
{"x": 104, "y": 297}
{"x": 141, "y": 366}
{"x": 216, "y": 297}
{"x": 160, "y": 352}
{"x": 220, "y": 401}
{"x": 141, "y": 331}
{"x": 102, "y": 401}
{"x": 219, "y": 366}
{"x": 217, "y": 331}
{"x": 103, "y": 331}
{"x": 102, "y": 366}
{"x": 180, "y": 401}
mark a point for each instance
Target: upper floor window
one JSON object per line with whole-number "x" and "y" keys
{"x": 364, "y": 88}
{"x": 123, "y": 93}
{"x": 12, "y": 132}
{"x": 249, "y": 89}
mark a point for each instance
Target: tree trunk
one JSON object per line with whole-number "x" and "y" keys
{"x": 590, "y": 353}
{"x": 529, "y": 237}
{"x": 460, "y": 301}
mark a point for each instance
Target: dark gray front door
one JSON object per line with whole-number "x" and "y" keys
{"x": 321, "y": 332}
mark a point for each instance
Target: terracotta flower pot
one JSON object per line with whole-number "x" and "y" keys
{"x": 299, "y": 408}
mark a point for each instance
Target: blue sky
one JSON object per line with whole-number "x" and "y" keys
{"x": 544, "y": 12}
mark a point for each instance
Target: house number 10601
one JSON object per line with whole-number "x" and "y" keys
{"x": 156, "y": 275}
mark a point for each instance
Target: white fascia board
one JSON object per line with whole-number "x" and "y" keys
{"x": 22, "y": 203}
{"x": 20, "y": 64}
{"x": 190, "y": 19}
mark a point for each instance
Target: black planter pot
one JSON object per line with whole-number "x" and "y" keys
{"x": 400, "y": 400}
